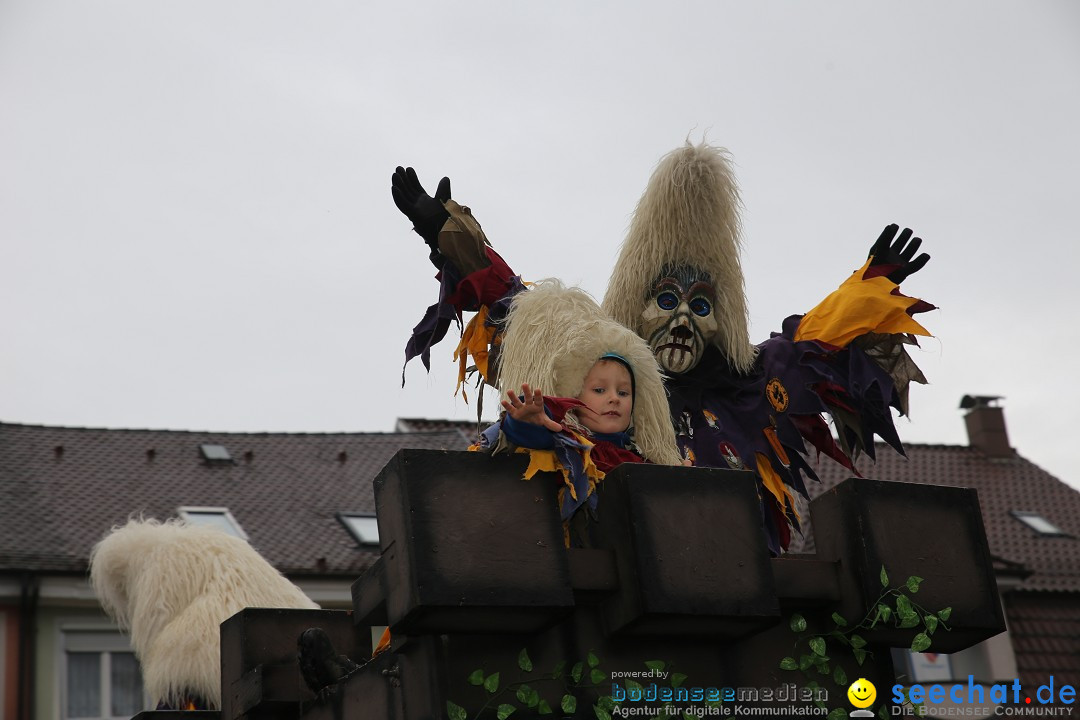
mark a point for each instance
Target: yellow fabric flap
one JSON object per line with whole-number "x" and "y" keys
{"x": 857, "y": 307}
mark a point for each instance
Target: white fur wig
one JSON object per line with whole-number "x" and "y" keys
{"x": 687, "y": 216}
{"x": 171, "y": 585}
{"x": 555, "y": 335}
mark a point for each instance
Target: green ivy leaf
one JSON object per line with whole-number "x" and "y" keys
{"x": 823, "y": 668}
{"x": 524, "y": 662}
{"x": 568, "y": 704}
{"x": 601, "y": 713}
{"x": 455, "y": 712}
{"x": 597, "y": 676}
{"x": 789, "y": 663}
{"x": 476, "y": 677}
{"x": 606, "y": 702}
{"x": 505, "y": 710}
{"x": 818, "y": 646}
{"x": 837, "y": 714}
{"x": 913, "y": 583}
{"x": 491, "y": 682}
{"x": 527, "y": 696}
{"x": 558, "y": 671}
{"x": 819, "y": 705}
{"x": 839, "y": 676}
{"x": 886, "y": 612}
{"x": 798, "y": 623}
{"x": 860, "y": 655}
{"x": 592, "y": 660}
{"x": 543, "y": 708}
{"x": 883, "y": 713}
{"x": 857, "y": 641}
{"x": 944, "y": 614}
{"x": 677, "y": 679}
{"x": 931, "y": 622}
{"x": 920, "y": 643}
{"x": 805, "y": 661}
{"x": 634, "y": 685}
{"x": 884, "y": 578}
{"x": 903, "y": 605}
{"x": 839, "y": 619}
{"x": 656, "y": 665}
{"x": 909, "y": 621}
{"x": 575, "y": 672}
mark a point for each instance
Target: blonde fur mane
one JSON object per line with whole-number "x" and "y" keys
{"x": 171, "y": 585}
{"x": 556, "y": 334}
{"x": 688, "y": 215}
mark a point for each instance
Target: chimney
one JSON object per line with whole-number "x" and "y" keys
{"x": 985, "y": 422}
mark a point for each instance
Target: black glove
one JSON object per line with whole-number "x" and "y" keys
{"x": 887, "y": 252}
{"x": 426, "y": 213}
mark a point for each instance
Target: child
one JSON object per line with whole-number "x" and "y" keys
{"x": 604, "y": 407}
{"x": 607, "y": 403}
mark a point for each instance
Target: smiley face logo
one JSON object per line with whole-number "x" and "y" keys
{"x": 862, "y": 693}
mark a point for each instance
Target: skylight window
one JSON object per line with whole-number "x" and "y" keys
{"x": 216, "y": 517}
{"x": 1037, "y": 522}
{"x": 215, "y": 454}
{"x": 363, "y": 527}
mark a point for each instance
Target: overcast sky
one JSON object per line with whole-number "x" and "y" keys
{"x": 197, "y": 230}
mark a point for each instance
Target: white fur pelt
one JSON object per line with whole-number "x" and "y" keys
{"x": 171, "y": 585}
{"x": 688, "y": 215}
{"x": 555, "y": 335}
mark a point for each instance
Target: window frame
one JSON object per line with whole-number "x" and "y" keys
{"x": 105, "y": 641}
{"x": 345, "y": 517}
{"x": 186, "y": 510}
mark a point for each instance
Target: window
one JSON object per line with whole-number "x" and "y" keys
{"x": 218, "y": 517}
{"x": 215, "y": 454}
{"x": 1037, "y": 522}
{"x": 362, "y": 526}
{"x": 101, "y": 677}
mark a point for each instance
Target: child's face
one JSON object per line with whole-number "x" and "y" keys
{"x": 608, "y": 397}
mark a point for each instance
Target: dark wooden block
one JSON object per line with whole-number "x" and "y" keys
{"x": 369, "y": 596}
{"x": 468, "y": 546}
{"x": 690, "y": 551}
{"x": 930, "y": 531}
{"x": 259, "y": 671}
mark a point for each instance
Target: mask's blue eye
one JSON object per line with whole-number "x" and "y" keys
{"x": 700, "y": 306}
{"x": 667, "y": 300}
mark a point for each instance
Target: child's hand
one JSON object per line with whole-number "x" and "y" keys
{"x": 529, "y": 410}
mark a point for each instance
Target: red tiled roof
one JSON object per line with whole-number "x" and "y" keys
{"x": 62, "y": 489}
{"x": 1045, "y": 631}
{"x": 1003, "y": 485}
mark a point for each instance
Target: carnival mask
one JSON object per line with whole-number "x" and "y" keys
{"x": 678, "y": 320}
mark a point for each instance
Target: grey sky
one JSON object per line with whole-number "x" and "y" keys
{"x": 197, "y": 229}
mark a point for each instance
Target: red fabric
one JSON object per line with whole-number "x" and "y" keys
{"x": 608, "y": 456}
{"x": 557, "y": 407}
{"x": 483, "y": 287}
{"x": 816, "y": 431}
